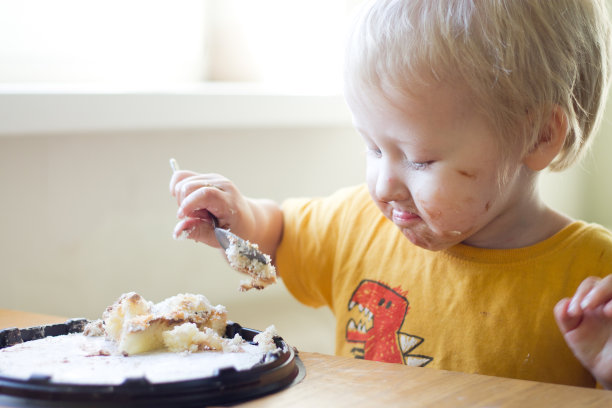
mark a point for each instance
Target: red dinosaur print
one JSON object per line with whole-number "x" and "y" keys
{"x": 378, "y": 331}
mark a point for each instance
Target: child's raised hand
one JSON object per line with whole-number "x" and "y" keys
{"x": 197, "y": 194}
{"x": 586, "y": 323}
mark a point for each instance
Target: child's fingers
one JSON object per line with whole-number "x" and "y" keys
{"x": 565, "y": 321}
{"x": 177, "y": 177}
{"x": 203, "y": 198}
{"x": 183, "y": 229}
{"x": 600, "y": 294}
{"x": 186, "y": 187}
{"x": 607, "y": 310}
{"x": 187, "y": 183}
{"x": 575, "y": 305}
{"x": 195, "y": 229}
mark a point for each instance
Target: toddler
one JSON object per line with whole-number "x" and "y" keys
{"x": 447, "y": 257}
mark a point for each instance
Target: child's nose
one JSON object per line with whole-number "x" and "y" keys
{"x": 391, "y": 187}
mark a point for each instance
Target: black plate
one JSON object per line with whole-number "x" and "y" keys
{"x": 275, "y": 372}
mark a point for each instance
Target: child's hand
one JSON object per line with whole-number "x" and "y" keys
{"x": 197, "y": 194}
{"x": 586, "y": 323}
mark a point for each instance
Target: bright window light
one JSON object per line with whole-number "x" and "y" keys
{"x": 110, "y": 41}
{"x": 296, "y": 44}
{"x": 293, "y": 43}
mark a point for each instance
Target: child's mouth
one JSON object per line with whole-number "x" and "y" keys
{"x": 403, "y": 218}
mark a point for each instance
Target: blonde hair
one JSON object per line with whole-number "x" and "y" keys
{"x": 520, "y": 59}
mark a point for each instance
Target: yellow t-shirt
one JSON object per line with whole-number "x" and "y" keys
{"x": 467, "y": 309}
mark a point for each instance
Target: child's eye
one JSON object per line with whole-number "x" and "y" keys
{"x": 374, "y": 151}
{"x": 420, "y": 165}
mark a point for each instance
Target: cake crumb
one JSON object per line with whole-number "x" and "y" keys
{"x": 184, "y": 234}
{"x": 187, "y": 337}
{"x": 234, "y": 345}
{"x": 265, "y": 339}
{"x": 94, "y": 328}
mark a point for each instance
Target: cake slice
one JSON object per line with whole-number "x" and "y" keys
{"x": 138, "y": 325}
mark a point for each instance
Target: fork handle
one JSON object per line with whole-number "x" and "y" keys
{"x": 215, "y": 221}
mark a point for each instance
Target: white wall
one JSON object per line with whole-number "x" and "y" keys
{"x": 86, "y": 217}
{"x": 585, "y": 190}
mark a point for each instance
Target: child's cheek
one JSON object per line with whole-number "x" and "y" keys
{"x": 447, "y": 209}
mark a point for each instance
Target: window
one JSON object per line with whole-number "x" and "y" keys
{"x": 281, "y": 43}
{"x": 103, "y": 42}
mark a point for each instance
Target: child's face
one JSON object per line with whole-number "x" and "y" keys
{"x": 433, "y": 166}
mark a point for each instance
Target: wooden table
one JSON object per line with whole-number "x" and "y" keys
{"x": 345, "y": 382}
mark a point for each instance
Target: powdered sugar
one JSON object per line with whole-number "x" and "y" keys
{"x": 79, "y": 359}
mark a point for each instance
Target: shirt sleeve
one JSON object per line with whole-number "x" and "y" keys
{"x": 307, "y": 254}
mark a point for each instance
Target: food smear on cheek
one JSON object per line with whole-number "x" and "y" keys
{"x": 430, "y": 205}
{"x": 432, "y": 214}
{"x": 468, "y": 174}
{"x": 439, "y": 217}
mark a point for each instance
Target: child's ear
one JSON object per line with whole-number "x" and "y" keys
{"x": 550, "y": 141}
